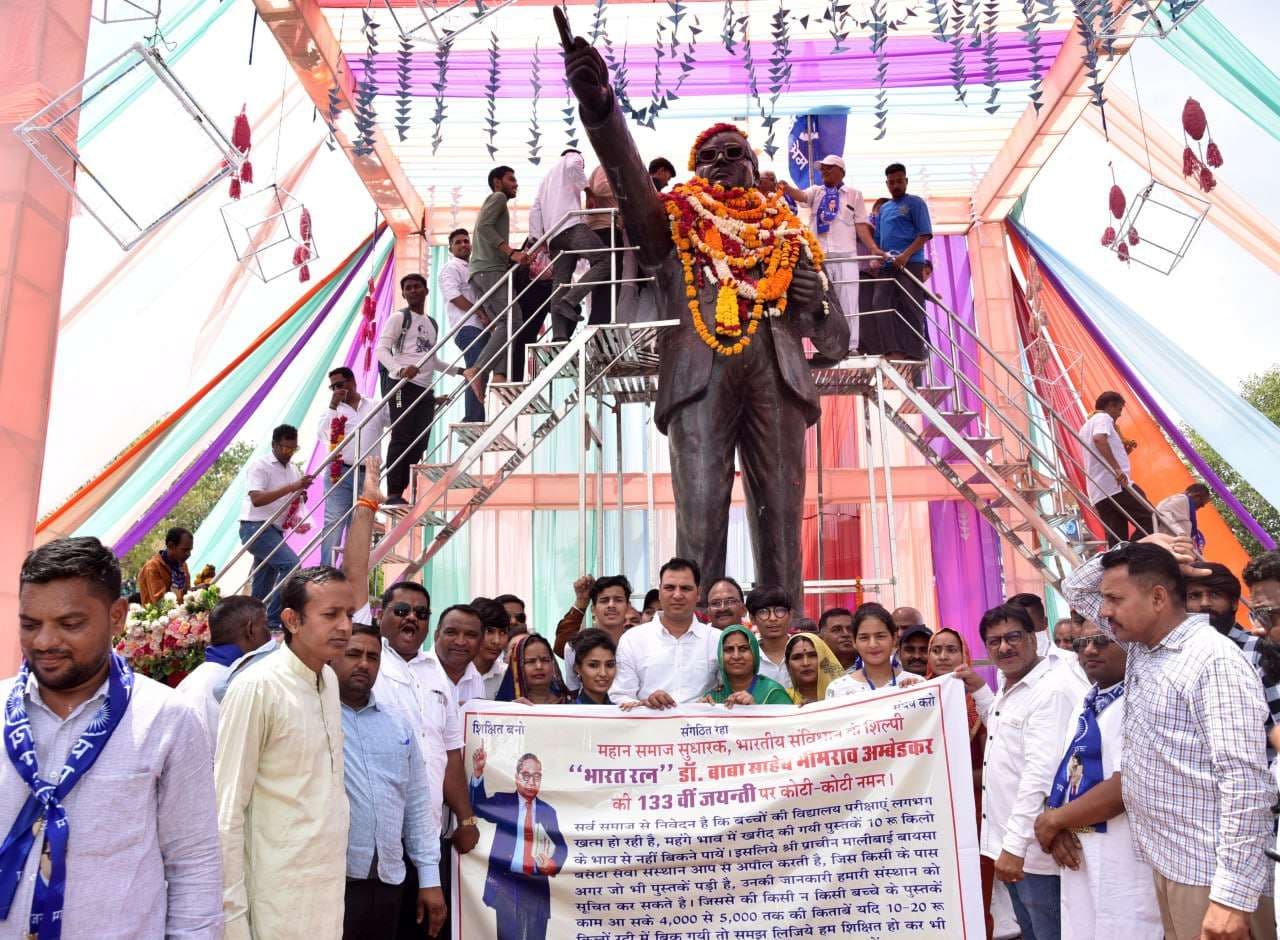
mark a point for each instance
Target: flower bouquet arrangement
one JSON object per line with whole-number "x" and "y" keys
{"x": 166, "y": 640}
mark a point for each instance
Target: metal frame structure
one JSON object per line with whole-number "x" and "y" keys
{"x": 53, "y": 123}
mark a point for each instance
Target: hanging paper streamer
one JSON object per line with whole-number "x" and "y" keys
{"x": 331, "y": 116}
{"x": 959, "y": 78}
{"x": 837, "y": 14}
{"x": 726, "y": 30}
{"x": 570, "y": 126}
{"x": 438, "y": 86}
{"x": 1030, "y": 29}
{"x": 991, "y": 64}
{"x": 597, "y": 21}
{"x": 491, "y": 118}
{"x": 779, "y": 72}
{"x": 365, "y": 92}
{"x": 404, "y": 100}
{"x": 240, "y": 139}
{"x": 368, "y": 328}
{"x": 879, "y": 33}
{"x": 1090, "y": 23}
{"x": 535, "y": 134}
{"x": 749, "y": 62}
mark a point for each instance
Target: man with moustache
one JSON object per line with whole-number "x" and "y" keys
{"x": 390, "y": 808}
{"x": 1106, "y": 889}
{"x": 1194, "y": 770}
{"x": 1024, "y": 726}
{"x": 835, "y": 628}
{"x": 107, "y": 774}
{"x": 726, "y": 604}
{"x": 282, "y": 809}
{"x": 913, "y": 640}
{"x": 412, "y": 683}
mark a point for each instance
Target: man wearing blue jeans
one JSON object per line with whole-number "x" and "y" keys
{"x": 459, "y": 300}
{"x": 353, "y": 427}
{"x": 274, "y": 482}
{"x": 1025, "y": 721}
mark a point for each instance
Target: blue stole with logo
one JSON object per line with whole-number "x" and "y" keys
{"x": 1081, "y": 767}
{"x": 43, "y": 814}
{"x": 828, "y": 208}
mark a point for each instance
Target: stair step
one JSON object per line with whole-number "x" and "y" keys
{"x": 468, "y": 432}
{"x": 982, "y": 444}
{"x": 508, "y": 392}
{"x": 625, "y": 349}
{"x": 1024, "y": 525}
{"x": 428, "y": 518}
{"x": 933, "y": 394}
{"x": 1005, "y": 470}
{"x": 436, "y": 471}
{"x": 546, "y": 351}
{"x": 957, "y": 420}
{"x": 856, "y": 380}
{"x": 630, "y": 389}
{"x": 1030, "y": 494}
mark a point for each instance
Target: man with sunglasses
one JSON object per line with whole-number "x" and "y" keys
{"x": 1262, "y": 575}
{"x": 1194, "y": 767}
{"x": 1024, "y": 723}
{"x": 1106, "y": 889}
{"x": 757, "y": 402}
{"x": 411, "y": 684}
{"x": 516, "y": 611}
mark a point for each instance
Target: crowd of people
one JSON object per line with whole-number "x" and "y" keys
{"x": 311, "y": 781}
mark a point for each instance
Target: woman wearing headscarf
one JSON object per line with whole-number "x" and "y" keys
{"x": 532, "y": 678}
{"x": 812, "y": 666}
{"x": 947, "y": 653}
{"x": 875, "y": 637}
{"x": 740, "y": 680}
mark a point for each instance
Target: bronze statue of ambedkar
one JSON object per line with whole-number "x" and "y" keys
{"x": 757, "y": 402}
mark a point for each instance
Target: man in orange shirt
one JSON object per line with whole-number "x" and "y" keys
{"x": 167, "y": 570}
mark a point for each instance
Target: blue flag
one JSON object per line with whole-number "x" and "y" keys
{"x": 813, "y": 136}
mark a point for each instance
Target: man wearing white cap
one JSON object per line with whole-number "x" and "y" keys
{"x": 838, "y": 217}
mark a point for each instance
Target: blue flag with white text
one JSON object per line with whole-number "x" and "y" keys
{"x": 813, "y": 136}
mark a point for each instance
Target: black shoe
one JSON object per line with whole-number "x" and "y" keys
{"x": 820, "y": 361}
{"x": 395, "y": 501}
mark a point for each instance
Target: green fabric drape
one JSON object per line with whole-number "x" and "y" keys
{"x": 1221, "y": 59}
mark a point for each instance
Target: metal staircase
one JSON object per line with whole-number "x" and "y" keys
{"x": 970, "y": 414}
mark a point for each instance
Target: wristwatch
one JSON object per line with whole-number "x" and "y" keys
{"x": 469, "y": 821}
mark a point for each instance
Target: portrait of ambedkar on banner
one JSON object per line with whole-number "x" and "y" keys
{"x": 527, "y": 850}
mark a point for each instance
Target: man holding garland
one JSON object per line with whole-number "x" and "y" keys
{"x": 744, "y": 277}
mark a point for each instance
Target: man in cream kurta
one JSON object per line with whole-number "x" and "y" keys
{"x": 282, "y": 808}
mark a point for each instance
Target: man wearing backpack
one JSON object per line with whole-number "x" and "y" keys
{"x": 402, "y": 354}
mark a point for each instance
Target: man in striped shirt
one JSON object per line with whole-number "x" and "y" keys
{"x": 1194, "y": 771}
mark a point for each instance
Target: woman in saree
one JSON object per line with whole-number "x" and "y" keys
{"x": 532, "y": 677}
{"x": 812, "y": 666}
{"x": 740, "y": 679}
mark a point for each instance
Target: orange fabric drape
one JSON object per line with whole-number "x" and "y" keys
{"x": 1157, "y": 467}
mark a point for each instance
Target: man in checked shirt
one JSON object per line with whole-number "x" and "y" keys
{"x": 1194, "y": 772}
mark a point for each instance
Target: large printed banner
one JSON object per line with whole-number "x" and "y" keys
{"x": 852, "y": 817}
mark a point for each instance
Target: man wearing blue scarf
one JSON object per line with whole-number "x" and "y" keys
{"x": 167, "y": 571}
{"x": 1106, "y": 890}
{"x": 237, "y": 625}
{"x": 106, "y": 785}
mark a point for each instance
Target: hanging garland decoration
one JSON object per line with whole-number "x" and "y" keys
{"x": 746, "y": 243}
{"x": 368, "y": 328}
{"x": 990, "y": 61}
{"x": 491, "y": 90}
{"x": 749, "y": 62}
{"x": 570, "y": 129}
{"x": 535, "y": 134}
{"x": 366, "y": 91}
{"x": 1117, "y": 204}
{"x": 241, "y": 140}
{"x": 939, "y": 17}
{"x": 837, "y": 14}
{"x": 404, "y": 101}
{"x": 1030, "y": 30}
{"x": 779, "y": 72}
{"x": 726, "y": 30}
{"x": 437, "y": 117}
{"x": 660, "y": 98}
{"x": 959, "y": 80}
{"x": 331, "y": 115}
{"x": 1196, "y": 162}
{"x": 302, "y": 253}
{"x": 1087, "y": 17}
{"x": 880, "y": 33}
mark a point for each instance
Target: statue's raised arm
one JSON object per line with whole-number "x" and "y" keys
{"x": 641, "y": 208}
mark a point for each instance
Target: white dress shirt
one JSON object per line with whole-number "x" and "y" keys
{"x": 559, "y": 193}
{"x": 650, "y": 658}
{"x": 1112, "y": 893}
{"x": 1025, "y": 724}
{"x": 454, "y": 284}
{"x": 358, "y": 440}
{"x": 1046, "y": 647}
{"x": 842, "y": 235}
{"x": 419, "y": 340}
{"x": 266, "y": 474}
{"x": 1101, "y": 481}
{"x": 854, "y": 682}
{"x": 196, "y": 689}
{"x": 142, "y": 857}
{"x": 426, "y": 700}
{"x": 498, "y": 671}
{"x": 778, "y": 671}
{"x": 470, "y": 686}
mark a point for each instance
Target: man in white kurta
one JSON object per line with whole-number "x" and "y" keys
{"x": 838, "y": 217}
{"x": 1110, "y": 891}
{"x": 282, "y": 806}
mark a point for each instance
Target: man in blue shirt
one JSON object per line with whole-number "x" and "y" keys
{"x": 897, "y": 330}
{"x": 387, "y": 789}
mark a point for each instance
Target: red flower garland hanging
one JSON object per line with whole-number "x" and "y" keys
{"x": 240, "y": 139}
{"x": 1196, "y": 162}
{"x": 337, "y": 434}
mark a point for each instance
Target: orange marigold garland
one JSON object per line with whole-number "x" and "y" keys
{"x": 746, "y": 243}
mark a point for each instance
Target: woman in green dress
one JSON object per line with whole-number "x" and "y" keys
{"x": 740, "y": 679}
